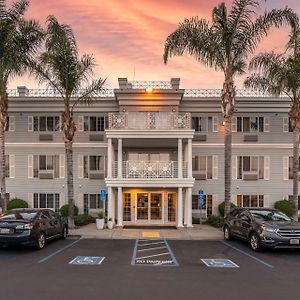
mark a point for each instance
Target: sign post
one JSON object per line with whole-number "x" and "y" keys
{"x": 102, "y": 195}
{"x": 200, "y": 203}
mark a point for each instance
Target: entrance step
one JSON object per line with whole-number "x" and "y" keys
{"x": 152, "y": 227}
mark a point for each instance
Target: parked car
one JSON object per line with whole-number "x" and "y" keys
{"x": 31, "y": 227}
{"x": 262, "y": 228}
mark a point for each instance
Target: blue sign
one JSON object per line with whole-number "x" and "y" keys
{"x": 219, "y": 263}
{"x": 87, "y": 260}
{"x": 200, "y": 198}
{"x": 102, "y": 195}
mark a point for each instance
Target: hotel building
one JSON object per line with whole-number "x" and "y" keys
{"x": 152, "y": 146}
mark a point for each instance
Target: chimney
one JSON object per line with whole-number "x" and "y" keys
{"x": 175, "y": 83}
{"x": 23, "y": 91}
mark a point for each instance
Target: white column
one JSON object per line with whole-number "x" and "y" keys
{"x": 190, "y": 158}
{"x": 109, "y": 158}
{"x": 185, "y": 207}
{"x": 189, "y": 222}
{"x": 179, "y": 208}
{"x": 120, "y": 151}
{"x": 120, "y": 208}
{"x": 179, "y": 158}
{"x": 110, "y": 203}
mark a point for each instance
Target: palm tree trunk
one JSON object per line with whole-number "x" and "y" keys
{"x": 70, "y": 185}
{"x": 295, "y": 172}
{"x": 2, "y": 168}
{"x": 227, "y": 164}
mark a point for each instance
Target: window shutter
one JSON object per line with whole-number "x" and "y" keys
{"x": 234, "y": 199}
{"x": 234, "y": 167}
{"x": 266, "y": 124}
{"x": 30, "y": 200}
{"x": 12, "y": 124}
{"x": 267, "y": 167}
{"x": 285, "y": 124}
{"x": 267, "y": 203}
{"x": 80, "y": 123}
{"x": 80, "y": 166}
{"x": 30, "y": 123}
{"x": 60, "y": 123}
{"x": 62, "y": 200}
{"x": 215, "y": 123}
{"x": 215, "y": 167}
{"x": 61, "y": 166}
{"x": 215, "y": 202}
{"x": 30, "y": 166}
{"x": 12, "y": 166}
{"x": 80, "y": 202}
{"x": 285, "y": 168}
{"x": 233, "y": 124}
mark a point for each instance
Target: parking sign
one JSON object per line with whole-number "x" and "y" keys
{"x": 102, "y": 195}
{"x": 200, "y": 198}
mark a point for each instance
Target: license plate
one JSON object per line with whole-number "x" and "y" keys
{"x": 5, "y": 230}
{"x": 294, "y": 242}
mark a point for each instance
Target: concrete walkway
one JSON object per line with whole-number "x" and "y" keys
{"x": 198, "y": 232}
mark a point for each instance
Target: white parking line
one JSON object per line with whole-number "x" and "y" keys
{"x": 166, "y": 253}
{"x": 151, "y": 244}
{"x": 152, "y": 249}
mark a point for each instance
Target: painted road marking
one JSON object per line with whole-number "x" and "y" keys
{"x": 158, "y": 256}
{"x": 150, "y": 234}
{"x": 58, "y": 251}
{"x": 219, "y": 263}
{"x": 249, "y": 255}
{"x": 87, "y": 260}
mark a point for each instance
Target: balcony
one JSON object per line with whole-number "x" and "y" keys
{"x": 142, "y": 169}
{"x": 149, "y": 120}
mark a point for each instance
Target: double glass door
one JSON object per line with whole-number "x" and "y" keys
{"x": 149, "y": 206}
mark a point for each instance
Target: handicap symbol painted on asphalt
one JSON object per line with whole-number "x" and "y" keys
{"x": 87, "y": 260}
{"x": 219, "y": 263}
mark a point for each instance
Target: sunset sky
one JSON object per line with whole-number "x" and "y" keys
{"x": 127, "y": 37}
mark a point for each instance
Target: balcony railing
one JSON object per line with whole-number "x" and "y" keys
{"x": 142, "y": 169}
{"x": 149, "y": 120}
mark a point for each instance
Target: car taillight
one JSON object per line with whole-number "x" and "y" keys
{"x": 25, "y": 226}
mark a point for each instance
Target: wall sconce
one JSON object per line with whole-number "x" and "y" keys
{"x": 149, "y": 89}
{"x": 223, "y": 123}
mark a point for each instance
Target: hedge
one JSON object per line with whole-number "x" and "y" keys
{"x": 285, "y": 206}
{"x": 83, "y": 219}
{"x": 64, "y": 210}
{"x": 16, "y": 203}
{"x": 222, "y": 208}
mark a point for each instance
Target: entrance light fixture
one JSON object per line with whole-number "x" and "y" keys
{"x": 149, "y": 89}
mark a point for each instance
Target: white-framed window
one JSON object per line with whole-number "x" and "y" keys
{"x": 250, "y": 124}
{"x": 208, "y": 200}
{"x": 250, "y": 200}
{"x": 46, "y": 200}
{"x": 10, "y": 166}
{"x": 250, "y": 166}
{"x": 92, "y": 201}
{"x": 91, "y": 166}
{"x": 46, "y": 164}
{"x": 206, "y": 166}
{"x": 10, "y": 124}
{"x": 93, "y": 123}
{"x": 205, "y": 124}
{"x": 287, "y": 126}
{"x": 44, "y": 123}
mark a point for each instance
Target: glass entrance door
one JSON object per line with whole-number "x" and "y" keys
{"x": 156, "y": 206}
{"x": 142, "y": 206}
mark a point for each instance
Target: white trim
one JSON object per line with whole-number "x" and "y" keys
{"x": 80, "y": 123}
{"x": 285, "y": 168}
{"x": 12, "y": 124}
{"x": 285, "y": 124}
{"x": 30, "y": 166}
{"x": 61, "y": 166}
{"x": 215, "y": 123}
{"x": 30, "y": 124}
{"x": 266, "y": 124}
{"x": 267, "y": 168}
{"x": 80, "y": 166}
{"x": 234, "y": 167}
{"x": 233, "y": 124}
{"x": 62, "y": 199}
{"x": 12, "y": 169}
{"x": 215, "y": 162}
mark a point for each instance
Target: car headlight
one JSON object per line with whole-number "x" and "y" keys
{"x": 269, "y": 229}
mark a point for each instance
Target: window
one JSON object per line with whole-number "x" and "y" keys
{"x": 207, "y": 204}
{"x": 250, "y": 165}
{"x": 92, "y": 201}
{"x": 46, "y": 201}
{"x": 203, "y": 165}
{"x": 250, "y": 124}
{"x": 46, "y": 123}
{"x": 43, "y": 164}
{"x": 92, "y": 164}
{"x": 93, "y": 123}
{"x": 204, "y": 124}
{"x": 291, "y": 167}
{"x": 250, "y": 200}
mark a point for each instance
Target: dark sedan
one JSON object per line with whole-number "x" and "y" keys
{"x": 262, "y": 228}
{"x": 31, "y": 227}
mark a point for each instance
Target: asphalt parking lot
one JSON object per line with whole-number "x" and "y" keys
{"x": 136, "y": 269}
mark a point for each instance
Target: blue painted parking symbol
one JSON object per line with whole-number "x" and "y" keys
{"x": 87, "y": 260}
{"x": 219, "y": 263}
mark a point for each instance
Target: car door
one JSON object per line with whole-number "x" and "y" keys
{"x": 46, "y": 224}
{"x": 244, "y": 224}
{"x": 233, "y": 219}
{"x": 55, "y": 222}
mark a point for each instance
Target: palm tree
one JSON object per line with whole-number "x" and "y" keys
{"x": 19, "y": 42}
{"x": 225, "y": 44}
{"x": 68, "y": 74}
{"x": 280, "y": 74}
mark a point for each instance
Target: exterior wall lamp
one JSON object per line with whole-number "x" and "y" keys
{"x": 149, "y": 89}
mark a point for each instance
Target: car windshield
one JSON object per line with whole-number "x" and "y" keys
{"x": 269, "y": 215}
{"x": 27, "y": 216}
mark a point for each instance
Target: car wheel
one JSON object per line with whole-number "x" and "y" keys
{"x": 255, "y": 242}
{"x": 64, "y": 232}
{"x": 227, "y": 233}
{"x": 40, "y": 241}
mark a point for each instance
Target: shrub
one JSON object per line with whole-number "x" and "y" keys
{"x": 83, "y": 219}
{"x": 16, "y": 203}
{"x": 222, "y": 208}
{"x": 285, "y": 206}
{"x": 64, "y": 210}
{"x": 101, "y": 214}
{"x": 215, "y": 221}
